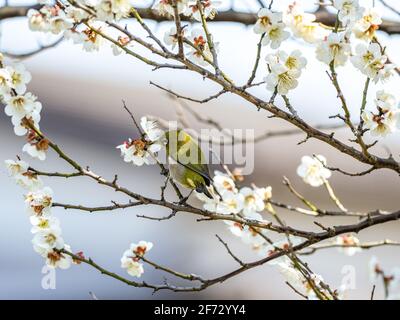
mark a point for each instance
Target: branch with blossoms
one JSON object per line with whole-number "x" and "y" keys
{"x": 250, "y": 212}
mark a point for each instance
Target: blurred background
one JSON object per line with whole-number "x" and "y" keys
{"x": 81, "y": 94}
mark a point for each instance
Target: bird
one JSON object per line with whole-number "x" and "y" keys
{"x": 187, "y": 162}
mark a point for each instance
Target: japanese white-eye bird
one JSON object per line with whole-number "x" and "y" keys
{"x": 187, "y": 163}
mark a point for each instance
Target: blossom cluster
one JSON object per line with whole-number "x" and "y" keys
{"x": 131, "y": 258}
{"x": 143, "y": 150}
{"x": 47, "y": 240}
{"x": 358, "y": 27}
{"x": 188, "y": 8}
{"x": 22, "y": 107}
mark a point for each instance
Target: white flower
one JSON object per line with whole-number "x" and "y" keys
{"x": 59, "y": 23}
{"x": 282, "y": 79}
{"x": 109, "y": 10}
{"x": 91, "y": 40}
{"x": 40, "y": 224}
{"x": 235, "y": 227}
{"x": 139, "y": 249}
{"x": 284, "y": 70}
{"x": 313, "y": 171}
{"x": 130, "y": 258}
{"x": 231, "y": 203}
{"x": 134, "y": 268}
{"x": 349, "y": 10}
{"x": 385, "y": 100}
{"x": 5, "y": 81}
{"x": 56, "y": 259}
{"x": 252, "y": 201}
{"x": 209, "y": 9}
{"x": 223, "y": 183}
{"x": 202, "y": 51}
{"x": 46, "y": 240}
{"x": 138, "y": 151}
{"x": 23, "y": 177}
{"x": 386, "y": 119}
{"x": 333, "y": 48}
{"x": 151, "y": 129}
{"x": 266, "y": 18}
{"x": 165, "y": 7}
{"x": 122, "y": 42}
{"x": 15, "y": 168}
{"x": 209, "y": 204}
{"x": 20, "y": 106}
{"x": 264, "y": 193}
{"x": 74, "y": 35}
{"x": 386, "y": 72}
{"x": 292, "y": 275}
{"x": 348, "y": 244}
{"x": 171, "y": 37}
{"x": 38, "y": 21}
{"x": 275, "y": 35}
{"x": 76, "y": 14}
{"x": 19, "y": 77}
{"x": 253, "y": 238}
{"x": 39, "y": 202}
{"x": 35, "y": 151}
{"x": 369, "y": 60}
{"x": 303, "y": 24}
{"x": 366, "y": 27}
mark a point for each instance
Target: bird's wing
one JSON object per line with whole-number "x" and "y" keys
{"x": 201, "y": 169}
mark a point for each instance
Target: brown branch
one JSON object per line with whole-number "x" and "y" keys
{"x": 323, "y": 16}
{"x": 7, "y": 12}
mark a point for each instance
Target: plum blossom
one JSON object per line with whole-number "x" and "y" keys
{"x": 209, "y": 9}
{"x": 143, "y": 151}
{"x": 76, "y": 14}
{"x": 5, "y": 82}
{"x": 151, "y": 129}
{"x": 348, "y": 244}
{"x": 59, "y": 23}
{"x": 266, "y": 18}
{"x": 39, "y": 202}
{"x": 130, "y": 258}
{"x": 165, "y": 7}
{"x": 109, "y": 10}
{"x": 223, "y": 183}
{"x": 313, "y": 171}
{"x": 22, "y": 106}
{"x": 19, "y": 170}
{"x": 139, "y": 152}
{"x": 231, "y": 203}
{"x": 349, "y": 11}
{"x": 20, "y": 77}
{"x": 366, "y": 27}
{"x": 334, "y": 48}
{"x": 46, "y": 240}
{"x": 91, "y": 40}
{"x": 57, "y": 259}
{"x": 40, "y": 224}
{"x": 252, "y": 201}
{"x": 38, "y": 21}
{"x": 387, "y": 117}
{"x": 202, "y": 51}
{"x": 369, "y": 60}
{"x": 275, "y": 35}
{"x": 122, "y": 42}
{"x": 303, "y": 24}
{"x": 284, "y": 71}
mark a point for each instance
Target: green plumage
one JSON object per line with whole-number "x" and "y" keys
{"x": 187, "y": 162}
